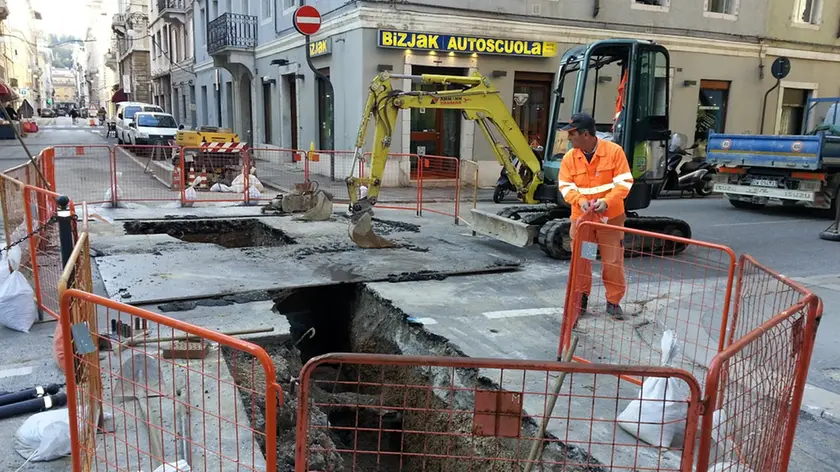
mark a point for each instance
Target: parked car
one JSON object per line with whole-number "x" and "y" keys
{"x": 47, "y": 113}
{"x": 152, "y": 128}
{"x": 125, "y": 116}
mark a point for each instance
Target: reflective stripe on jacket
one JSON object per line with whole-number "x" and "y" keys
{"x": 607, "y": 176}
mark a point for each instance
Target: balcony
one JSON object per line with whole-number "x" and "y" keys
{"x": 118, "y": 24}
{"x": 172, "y": 10}
{"x": 232, "y": 32}
{"x": 4, "y": 10}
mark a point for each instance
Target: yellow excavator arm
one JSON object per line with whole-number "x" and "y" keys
{"x": 475, "y": 97}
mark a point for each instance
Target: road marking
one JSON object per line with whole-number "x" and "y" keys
{"x": 15, "y": 372}
{"x": 495, "y": 315}
{"x": 755, "y": 223}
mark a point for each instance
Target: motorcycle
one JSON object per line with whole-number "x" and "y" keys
{"x": 503, "y": 185}
{"x": 695, "y": 176}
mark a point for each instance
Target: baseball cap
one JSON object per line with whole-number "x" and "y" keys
{"x": 581, "y": 121}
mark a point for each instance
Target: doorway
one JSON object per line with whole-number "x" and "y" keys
{"x": 792, "y": 118}
{"x": 291, "y": 82}
{"x": 712, "y": 106}
{"x": 325, "y": 113}
{"x": 531, "y": 102}
{"x": 435, "y": 132}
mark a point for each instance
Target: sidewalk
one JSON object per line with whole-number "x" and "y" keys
{"x": 283, "y": 176}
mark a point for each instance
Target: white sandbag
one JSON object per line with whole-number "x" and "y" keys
{"x": 9, "y": 263}
{"x": 729, "y": 467}
{"x": 190, "y": 195}
{"x": 17, "y": 303}
{"x": 660, "y": 412}
{"x": 220, "y": 187}
{"x": 180, "y": 466}
{"x": 44, "y": 436}
{"x": 253, "y": 193}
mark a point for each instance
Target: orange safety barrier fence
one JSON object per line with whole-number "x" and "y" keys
{"x": 658, "y": 289}
{"x": 394, "y": 412}
{"x": 755, "y": 385}
{"x": 84, "y": 173}
{"x": 400, "y": 188}
{"x": 146, "y": 173}
{"x": 162, "y": 390}
{"x": 439, "y": 185}
{"x": 279, "y": 170}
{"x": 324, "y": 165}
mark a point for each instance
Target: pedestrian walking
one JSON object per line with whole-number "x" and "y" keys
{"x": 595, "y": 177}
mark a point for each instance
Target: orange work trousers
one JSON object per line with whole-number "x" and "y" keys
{"x": 611, "y": 246}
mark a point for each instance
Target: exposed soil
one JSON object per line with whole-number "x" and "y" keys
{"x": 236, "y": 233}
{"x": 376, "y": 417}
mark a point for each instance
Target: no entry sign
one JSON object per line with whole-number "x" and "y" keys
{"x": 307, "y": 20}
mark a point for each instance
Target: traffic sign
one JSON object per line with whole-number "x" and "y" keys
{"x": 307, "y": 20}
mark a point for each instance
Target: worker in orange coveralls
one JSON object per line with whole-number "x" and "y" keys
{"x": 595, "y": 177}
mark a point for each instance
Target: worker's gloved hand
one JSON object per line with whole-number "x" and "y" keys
{"x": 585, "y": 205}
{"x": 600, "y": 205}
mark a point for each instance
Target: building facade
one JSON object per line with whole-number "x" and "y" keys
{"x": 133, "y": 46}
{"x": 65, "y": 86}
{"x": 20, "y": 51}
{"x": 101, "y": 78}
{"x": 252, "y": 72}
{"x": 172, "y": 59}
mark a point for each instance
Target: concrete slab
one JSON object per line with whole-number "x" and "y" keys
{"x": 322, "y": 255}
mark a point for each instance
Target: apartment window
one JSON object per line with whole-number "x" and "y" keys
{"x": 266, "y": 8}
{"x": 724, "y": 7}
{"x": 651, "y": 4}
{"x": 808, "y": 12}
{"x": 288, "y": 5}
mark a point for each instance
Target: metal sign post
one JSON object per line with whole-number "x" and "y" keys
{"x": 307, "y": 21}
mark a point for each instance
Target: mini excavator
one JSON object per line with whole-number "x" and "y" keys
{"x": 637, "y": 119}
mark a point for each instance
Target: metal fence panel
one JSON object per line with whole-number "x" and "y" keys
{"x": 686, "y": 292}
{"x": 755, "y": 385}
{"x": 84, "y": 172}
{"x": 388, "y": 412}
{"x": 163, "y": 390}
{"x": 439, "y": 183}
{"x": 146, "y": 173}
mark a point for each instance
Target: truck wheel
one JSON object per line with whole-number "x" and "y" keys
{"x": 746, "y": 205}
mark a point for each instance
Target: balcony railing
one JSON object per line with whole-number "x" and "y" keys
{"x": 232, "y": 30}
{"x": 176, "y": 5}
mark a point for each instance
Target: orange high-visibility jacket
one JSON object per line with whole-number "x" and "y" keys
{"x": 607, "y": 176}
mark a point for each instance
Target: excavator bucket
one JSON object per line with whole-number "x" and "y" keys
{"x": 361, "y": 232}
{"x": 515, "y": 233}
{"x": 321, "y": 207}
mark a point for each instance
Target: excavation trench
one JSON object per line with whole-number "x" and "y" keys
{"x": 232, "y": 233}
{"x": 380, "y": 418}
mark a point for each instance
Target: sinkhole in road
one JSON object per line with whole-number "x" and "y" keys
{"x": 231, "y": 233}
{"x": 372, "y": 417}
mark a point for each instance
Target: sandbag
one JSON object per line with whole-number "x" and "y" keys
{"x": 9, "y": 263}
{"x": 660, "y": 412}
{"x": 180, "y": 466}
{"x": 729, "y": 467}
{"x": 44, "y": 436}
{"x": 190, "y": 195}
{"x": 17, "y": 303}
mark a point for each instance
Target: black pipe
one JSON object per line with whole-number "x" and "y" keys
{"x": 764, "y": 107}
{"x": 596, "y": 8}
{"x": 28, "y": 394}
{"x": 35, "y": 405}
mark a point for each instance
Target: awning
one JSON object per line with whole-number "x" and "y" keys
{"x": 119, "y": 96}
{"x": 7, "y": 94}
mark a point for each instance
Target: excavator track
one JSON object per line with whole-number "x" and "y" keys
{"x": 554, "y": 237}
{"x": 515, "y": 212}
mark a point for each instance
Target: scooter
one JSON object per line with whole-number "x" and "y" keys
{"x": 695, "y": 176}
{"x": 503, "y": 185}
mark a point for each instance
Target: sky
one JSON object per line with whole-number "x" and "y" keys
{"x": 64, "y": 16}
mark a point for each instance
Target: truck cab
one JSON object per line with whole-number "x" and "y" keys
{"x": 799, "y": 169}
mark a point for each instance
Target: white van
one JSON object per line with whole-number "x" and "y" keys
{"x": 125, "y": 116}
{"x": 152, "y": 128}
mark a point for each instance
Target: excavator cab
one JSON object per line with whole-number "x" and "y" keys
{"x": 625, "y": 85}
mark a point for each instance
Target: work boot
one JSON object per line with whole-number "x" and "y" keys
{"x": 584, "y": 303}
{"x": 615, "y": 311}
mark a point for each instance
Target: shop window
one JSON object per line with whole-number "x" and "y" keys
{"x": 531, "y": 104}
{"x": 325, "y": 112}
{"x": 711, "y": 109}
